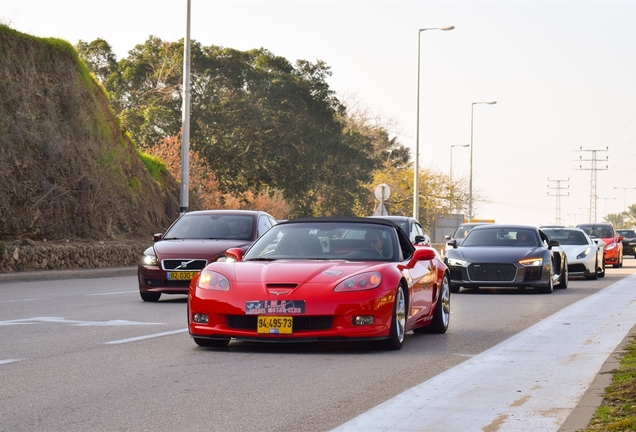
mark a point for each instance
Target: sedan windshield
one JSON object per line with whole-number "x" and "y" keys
{"x": 205, "y": 226}
{"x": 325, "y": 241}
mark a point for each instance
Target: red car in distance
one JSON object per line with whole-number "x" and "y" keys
{"x": 322, "y": 279}
{"x": 193, "y": 241}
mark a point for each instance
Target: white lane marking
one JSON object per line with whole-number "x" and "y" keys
{"x": 7, "y": 361}
{"x": 62, "y": 320}
{"x": 138, "y": 338}
{"x": 531, "y": 381}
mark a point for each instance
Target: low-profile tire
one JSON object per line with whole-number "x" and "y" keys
{"x": 149, "y": 296}
{"x": 398, "y": 324}
{"x": 549, "y": 288}
{"x": 441, "y": 316}
{"x": 211, "y": 343}
{"x": 564, "y": 277}
{"x": 602, "y": 272}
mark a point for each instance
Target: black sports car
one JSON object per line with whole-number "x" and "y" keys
{"x": 629, "y": 242}
{"x": 498, "y": 255}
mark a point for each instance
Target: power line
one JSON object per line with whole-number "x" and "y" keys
{"x": 558, "y": 194}
{"x": 593, "y": 169}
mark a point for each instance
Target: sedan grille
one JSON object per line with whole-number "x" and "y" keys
{"x": 184, "y": 264}
{"x": 492, "y": 272}
{"x": 301, "y": 323}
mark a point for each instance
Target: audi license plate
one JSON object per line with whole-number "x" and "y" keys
{"x": 181, "y": 275}
{"x": 275, "y": 324}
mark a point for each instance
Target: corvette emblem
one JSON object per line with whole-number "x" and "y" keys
{"x": 279, "y": 292}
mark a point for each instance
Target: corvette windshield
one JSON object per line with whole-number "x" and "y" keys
{"x": 325, "y": 241}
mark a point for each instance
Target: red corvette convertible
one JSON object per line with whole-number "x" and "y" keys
{"x": 322, "y": 279}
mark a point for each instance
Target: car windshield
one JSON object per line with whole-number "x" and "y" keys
{"x": 211, "y": 226}
{"x": 325, "y": 241}
{"x": 502, "y": 237}
{"x": 462, "y": 231}
{"x": 598, "y": 231}
{"x": 627, "y": 233}
{"x": 567, "y": 237}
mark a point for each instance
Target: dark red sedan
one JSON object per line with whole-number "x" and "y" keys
{"x": 193, "y": 241}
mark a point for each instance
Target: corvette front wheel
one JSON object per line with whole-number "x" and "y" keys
{"x": 398, "y": 323}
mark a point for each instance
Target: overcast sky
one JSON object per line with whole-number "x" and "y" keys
{"x": 563, "y": 74}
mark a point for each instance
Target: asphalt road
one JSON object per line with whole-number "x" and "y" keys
{"x": 88, "y": 355}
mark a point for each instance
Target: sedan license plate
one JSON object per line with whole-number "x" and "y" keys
{"x": 275, "y": 325}
{"x": 181, "y": 275}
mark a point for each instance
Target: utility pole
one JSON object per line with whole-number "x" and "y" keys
{"x": 593, "y": 169}
{"x": 558, "y": 195}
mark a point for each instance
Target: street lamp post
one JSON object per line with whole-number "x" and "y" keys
{"x": 450, "y": 175}
{"x": 624, "y": 196}
{"x": 470, "y": 185}
{"x": 416, "y": 167}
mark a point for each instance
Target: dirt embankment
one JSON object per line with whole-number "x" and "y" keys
{"x": 70, "y": 177}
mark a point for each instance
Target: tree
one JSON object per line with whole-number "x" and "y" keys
{"x": 99, "y": 57}
{"x": 616, "y": 219}
{"x": 630, "y": 215}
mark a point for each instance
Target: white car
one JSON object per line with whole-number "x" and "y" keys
{"x": 585, "y": 256}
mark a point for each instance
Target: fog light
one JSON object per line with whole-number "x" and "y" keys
{"x": 200, "y": 318}
{"x": 363, "y": 320}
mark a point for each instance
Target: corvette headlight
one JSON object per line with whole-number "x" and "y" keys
{"x": 583, "y": 254}
{"x": 531, "y": 262}
{"x": 360, "y": 282}
{"x": 149, "y": 260}
{"x": 213, "y": 281}
{"x": 457, "y": 262}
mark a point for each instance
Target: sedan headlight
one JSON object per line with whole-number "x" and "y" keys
{"x": 149, "y": 260}
{"x": 611, "y": 246}
{"x": 212, "y": 280}
{"x": 361, "y": 282}
{"x": 583, "y": 254}
{"x": 531, "y": 262}
{"x": 457, "y": 262}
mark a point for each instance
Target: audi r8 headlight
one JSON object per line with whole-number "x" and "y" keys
{"x": 213, "y": 281}
{"x": 457, "y": 262}
{"x": 149, "y": 260}
{"x": 583, "y": 254}
{"x": 531, "y": 262}
{"x": 360, "y": 282}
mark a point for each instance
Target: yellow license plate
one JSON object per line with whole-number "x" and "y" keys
{"x": 181, "y": 275}
{"x": 275, "y": 325}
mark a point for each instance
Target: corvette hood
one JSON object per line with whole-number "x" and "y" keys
{"x": 495, "y": 254}
{"x": 193, "y": 248}
{"x": 298, "y": 272}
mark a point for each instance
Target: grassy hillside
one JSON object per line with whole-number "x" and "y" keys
{"x": 67, "y": 170}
